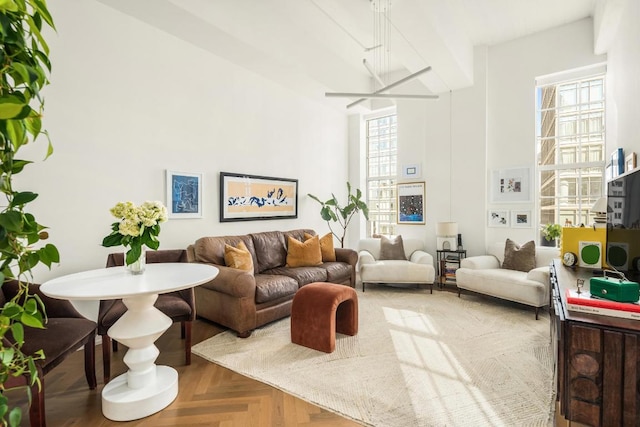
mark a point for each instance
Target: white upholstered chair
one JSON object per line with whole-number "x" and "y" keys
{"x": 417, "y": 268}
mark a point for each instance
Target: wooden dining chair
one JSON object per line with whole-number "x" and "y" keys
{"x": 178, "y": 305}
{"x": 66, "y": 331}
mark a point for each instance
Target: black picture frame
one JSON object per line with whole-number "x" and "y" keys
{"x": 246, "y": 197}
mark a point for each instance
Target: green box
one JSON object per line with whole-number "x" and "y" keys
{"x": 614, "y": 289}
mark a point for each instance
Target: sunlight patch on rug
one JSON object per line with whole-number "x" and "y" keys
{"x": 419, "y": 359}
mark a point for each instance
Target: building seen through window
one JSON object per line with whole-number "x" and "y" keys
{"x": 382, "y": 144}
{"x": 570, "y": 134}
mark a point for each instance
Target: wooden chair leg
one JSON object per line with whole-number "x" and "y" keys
{"x": 90, "y": 363}
{"x": 36, "y": 410}
{"x": 187, "y": 341}
{"x": 106, "y": 358}
{"x": 114, "y": 345}
{"x": 537, "y": 308}
{"x": 182, "y": 330}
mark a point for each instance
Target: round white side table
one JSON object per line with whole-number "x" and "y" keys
{"x": 145, "y": 388}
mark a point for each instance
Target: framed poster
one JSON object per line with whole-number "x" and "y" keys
{"x": 521, "y": 219}
{"x": 253, "y": 197}
{"x": 184, "y": 194}
{"x": 630, "y": 162}
{"x": 511, "y": 185}
{"x": 411, "y": 203}
{"x": 498, "y": 218}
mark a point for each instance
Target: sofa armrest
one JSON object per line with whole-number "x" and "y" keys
{"x": 346, "y": 255}
{"x": 421, "y": 257}
{"x": 350, "y": 257}
{"x": 232, "y": 281}
{"x": 365, "y": 257}
{"x": 480, "y": 262}
{"x": 539, "y": 274}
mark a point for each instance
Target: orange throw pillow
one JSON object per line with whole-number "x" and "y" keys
{"x": 326, "y": 247}
{"x": 305, "y": 254}
{"x": 238, "y": 257}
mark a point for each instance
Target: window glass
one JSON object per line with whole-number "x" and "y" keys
{"x": 570, "y": 139}
{"x": 381, "y": 174}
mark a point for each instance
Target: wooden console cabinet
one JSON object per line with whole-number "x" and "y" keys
{"x": 598, "y": 359}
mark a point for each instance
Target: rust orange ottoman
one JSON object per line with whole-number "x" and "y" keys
{"x": 319, "y": 310}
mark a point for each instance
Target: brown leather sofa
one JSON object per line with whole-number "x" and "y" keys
{"x": 243, "y": 301}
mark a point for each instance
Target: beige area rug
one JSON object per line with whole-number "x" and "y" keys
{"x": 419, "y": 359}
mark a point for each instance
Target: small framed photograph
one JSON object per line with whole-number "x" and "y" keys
{"x": 498, "y": 218}
{"x": 411, "y": 204}
{"x": 511, "y": 185}
{"x": 411, "y": 171}
{"x": 184, "y": 195}
{"x": 521, "y": 219}
{"x": 252, "y": 197}
{"x": 630, "y": 162}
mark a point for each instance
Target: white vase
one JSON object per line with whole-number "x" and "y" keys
{"x": 137, "y": 267}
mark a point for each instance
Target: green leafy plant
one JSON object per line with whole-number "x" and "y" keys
{"x": 551, "y": 231}
{"x": 24, "y": 66}
{"x": 136, "y": 226}
{"x": 332, "y": 211}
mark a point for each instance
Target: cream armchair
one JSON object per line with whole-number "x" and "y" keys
{"x": 484, "y": 274}
{"x": 417, "y": 268}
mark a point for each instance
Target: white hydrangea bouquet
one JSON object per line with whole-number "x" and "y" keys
{"x": 137, "y": 226}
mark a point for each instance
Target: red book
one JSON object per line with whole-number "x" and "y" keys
{"x": 583, "y": 302}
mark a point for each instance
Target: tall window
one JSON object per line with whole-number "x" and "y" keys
{"x": 570, "y": 137}
{"x": 382, "y": 145}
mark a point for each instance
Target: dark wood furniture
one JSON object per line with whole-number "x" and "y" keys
{"x": 66, "y": 331}
{"x": 448, "y": 260}
{"x": 598, "y": 358}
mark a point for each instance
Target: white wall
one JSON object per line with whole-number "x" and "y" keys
{"x": 492, "y": 126}
{"x": 447, "y": 137}
{"x": 623, "y": 84}
{"x": 128, "y": 101}
{"x": 513, "y": 68}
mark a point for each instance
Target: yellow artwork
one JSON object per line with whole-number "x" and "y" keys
{"x": 245, "y": 197}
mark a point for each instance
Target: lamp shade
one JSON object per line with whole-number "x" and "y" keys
{"x": 448, "y": 229}
{"x": 600, "y": 206}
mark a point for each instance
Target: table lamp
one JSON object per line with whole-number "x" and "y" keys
{"x": 599, "y": 210}
{"x": 446, "y": 235}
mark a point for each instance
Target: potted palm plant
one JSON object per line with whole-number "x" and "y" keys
{"x": 23, "y": 73}
{"x": 333, "y": 211}
{"x": 550, "y": 233}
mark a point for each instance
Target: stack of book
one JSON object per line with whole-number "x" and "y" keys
{"x": 451, "y": 264}
{"x": 585, "y": 303}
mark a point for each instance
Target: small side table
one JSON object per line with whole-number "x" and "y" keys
{"x": 448, "y": 261}
{"x": 145, "y": 388}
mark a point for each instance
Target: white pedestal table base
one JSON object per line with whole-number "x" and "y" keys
{"x": 145, "y": 388}
{"x": 122, "y": 403}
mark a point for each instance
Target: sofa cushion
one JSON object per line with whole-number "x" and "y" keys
{"x": 303, "y": 254}
{"x": 392, "y": 248}
{"x": 502, "y": 283}
{"x": 238, "y": 257}
{"x": 211, "y": 249}
{"x": 271, "y": 250}
{"x": 520, "y": 258}
{"x": 302, "y": 275}
{"x": 397, "y": 271}
{"x": 270, "y": 287}
{"x": 326, "y": 247}
{"x": 337, "y": 272}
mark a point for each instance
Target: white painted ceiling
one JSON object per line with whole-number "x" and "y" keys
{"x": 315, "y": 46}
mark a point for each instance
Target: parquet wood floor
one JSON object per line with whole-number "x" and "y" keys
{"x": 209, "y": 395}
